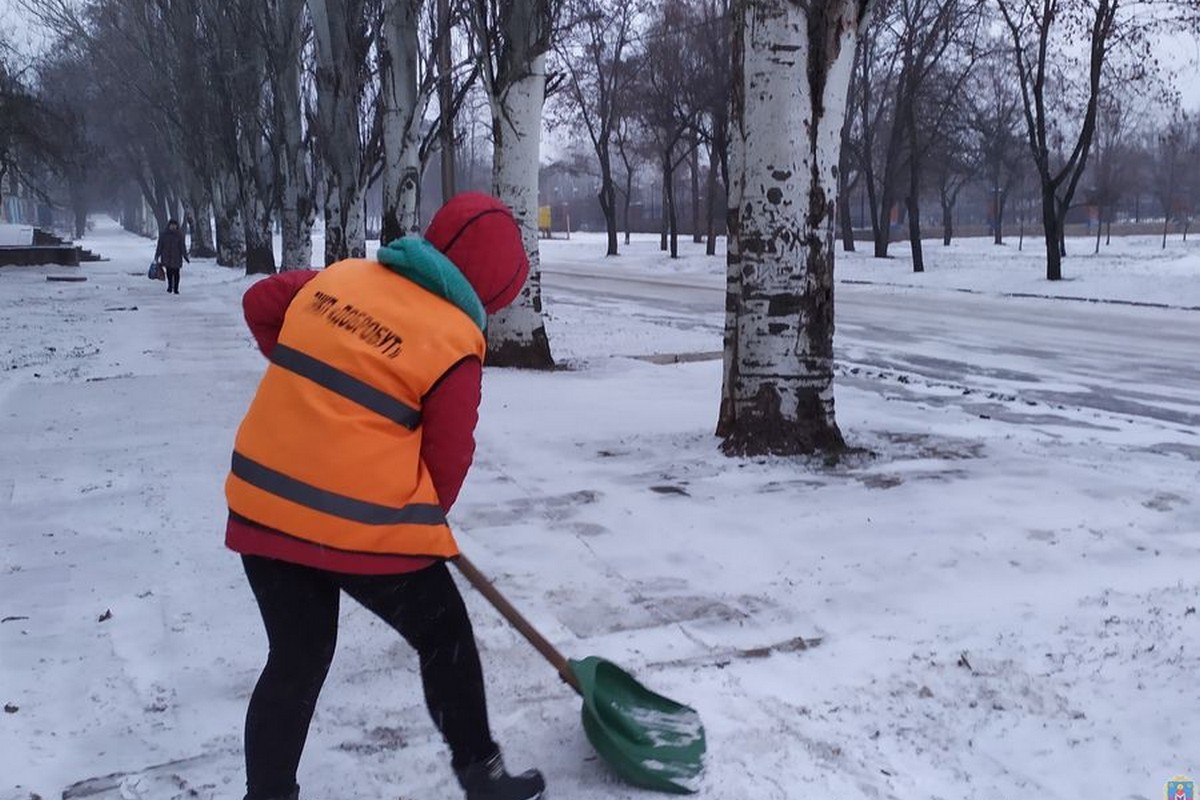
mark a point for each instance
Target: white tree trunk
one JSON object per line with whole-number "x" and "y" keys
{"x": 297, "y": 212}
{"x": 201, "y": 222}
{"x": 517, "y": 335}
{"x": 337, "y": 116}
{"x": 296, "y": 219}
{"x": 227, "y": 213}
{"x": 791, "y": 76}
{"x": 148, "y": 221}
{"x": 402, "y": 108}
{"x": 255, "y": 165}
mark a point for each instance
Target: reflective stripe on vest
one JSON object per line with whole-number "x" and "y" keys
{"x": 329, "y": 451}
{"x": 347, "y": 386}
{"x": 332, "y": 503}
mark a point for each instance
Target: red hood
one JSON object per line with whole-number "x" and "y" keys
{"x": 479, "y": 234}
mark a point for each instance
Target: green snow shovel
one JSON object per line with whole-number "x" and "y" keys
{"x": 649, "y": 740}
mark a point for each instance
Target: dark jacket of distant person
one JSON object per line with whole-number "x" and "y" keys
{"x": 172, "y": 249}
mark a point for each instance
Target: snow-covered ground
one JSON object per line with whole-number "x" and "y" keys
{"x": 969, "y": 606}
{"x": 1133, "y": 269}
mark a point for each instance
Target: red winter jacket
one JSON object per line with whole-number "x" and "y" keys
{"x": 448, "y": 416}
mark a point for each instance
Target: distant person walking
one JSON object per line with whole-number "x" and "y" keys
{"x": 171, "y": 253}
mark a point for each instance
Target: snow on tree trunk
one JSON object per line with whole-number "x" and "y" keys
{"x": 135, "y": 216}
{"x": 295, "y": 223}
{"x": 401, "y": 110}
{"x": 792, "y": 68}
{"x": 201, "y": 225}
{"x": 227, "y": 212}
{"x": 337, "y": 116}
{"x": 517, "y": 335}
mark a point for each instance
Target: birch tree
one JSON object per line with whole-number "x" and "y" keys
{"x": 284, "y": 37}
{"x": 240, "y": 70}
{"x": 513, "y": 38}
{"x": 339, "y": 30}
{"x": 143, "y": 124}
{"x": 184, "y": 91}
{"x": 227, "y": 218}
{"x": 791, "y": 72}
{"x": 402, "y": 103}
{"x": 412, "y": 70}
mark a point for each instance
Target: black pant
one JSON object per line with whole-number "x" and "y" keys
{"x": 300, "y": 610}
{"x": 173, "y": 280}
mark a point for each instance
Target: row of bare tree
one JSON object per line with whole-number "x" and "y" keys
{"x": 1061, "y": 95}
{"x": 260, "y": 112}
{"x": 945, "y": 96}
{"x": 254, "y": 112}
{"x": 257, "y": 113}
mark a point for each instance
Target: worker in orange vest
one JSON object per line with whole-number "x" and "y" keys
{"x": 352, "y": 452}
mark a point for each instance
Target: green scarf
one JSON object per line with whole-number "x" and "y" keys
{"x": 423, "y": 264}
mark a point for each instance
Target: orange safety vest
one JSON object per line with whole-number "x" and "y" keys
{"x": 330, "y": 450}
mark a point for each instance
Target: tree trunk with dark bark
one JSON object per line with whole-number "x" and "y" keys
{"x": 786, "y": 121}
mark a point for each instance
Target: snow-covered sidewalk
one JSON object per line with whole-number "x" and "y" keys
{"x": 964, "y": 607}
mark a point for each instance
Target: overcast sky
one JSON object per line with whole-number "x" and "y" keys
{"x": 1179, "y": 53}
{"x": 18, "y": 26}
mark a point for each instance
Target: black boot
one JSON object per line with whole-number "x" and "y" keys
{"x": 488, "y": 780}
{"x": 294, "y": 795}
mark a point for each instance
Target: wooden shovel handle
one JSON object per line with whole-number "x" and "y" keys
{"x": 523, "y": 626}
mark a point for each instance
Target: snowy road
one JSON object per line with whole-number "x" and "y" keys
{"x": 1111, "y": 358}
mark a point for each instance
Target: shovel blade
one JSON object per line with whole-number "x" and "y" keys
{"x": 649, "y": 740}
